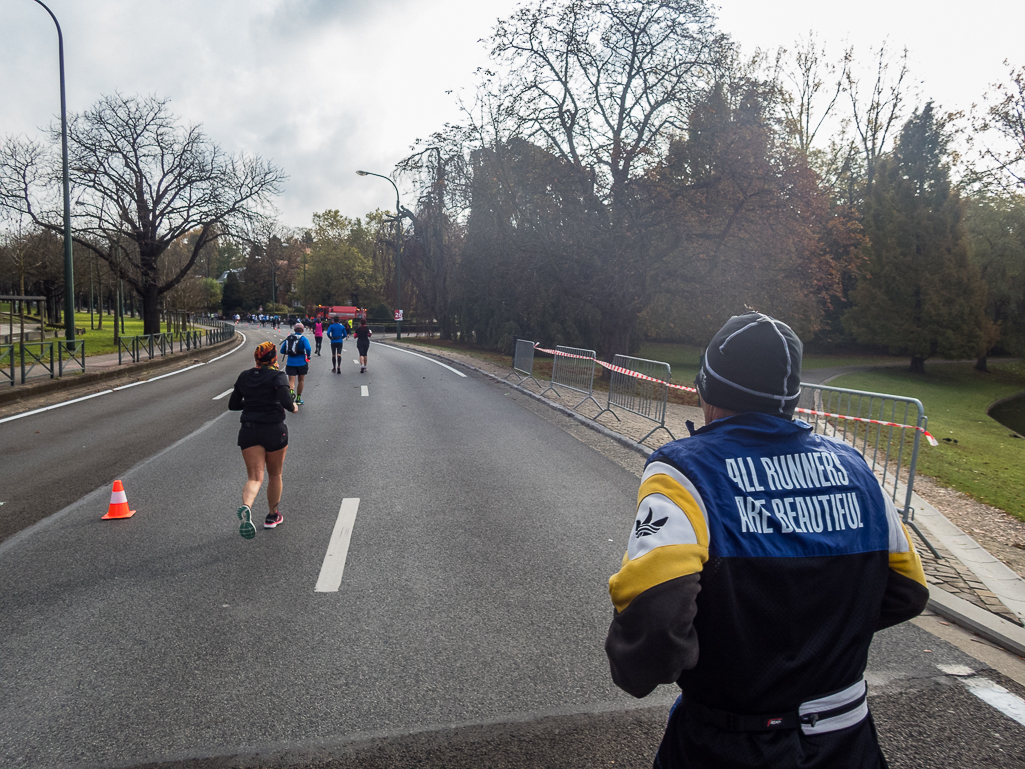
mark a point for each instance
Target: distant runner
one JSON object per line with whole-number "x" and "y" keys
{"x": 337, "y": 332}
{"x": 297, "y": 348}
{"x": 363, "y": 334}
{"x": 318, "y": 334}
{"x": 262, "y": 395}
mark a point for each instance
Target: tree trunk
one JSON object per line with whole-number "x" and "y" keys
{"x": 980, "y": 364}
{"x": 917, "y": 365}
{"x": 150, "y": 310}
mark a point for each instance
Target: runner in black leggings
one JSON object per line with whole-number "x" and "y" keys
{"x": 363, "y": 334}
{"x": 263, "y": 397}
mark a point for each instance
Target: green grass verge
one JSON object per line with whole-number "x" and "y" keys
{"x": 986, "y": 462}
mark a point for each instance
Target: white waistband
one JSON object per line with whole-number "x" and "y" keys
{"x": 836, "y": 700}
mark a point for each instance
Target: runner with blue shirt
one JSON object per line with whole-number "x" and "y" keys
{"x": 298, "y": 349}
{"x": 337, "y": 332}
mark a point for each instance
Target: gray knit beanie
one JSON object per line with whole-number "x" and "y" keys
{"x": 753, "y": 363}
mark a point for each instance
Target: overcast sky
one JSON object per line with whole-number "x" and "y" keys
{"x": 324, "y": 87}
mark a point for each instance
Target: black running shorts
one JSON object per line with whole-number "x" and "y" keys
{"x": 273, "y": 436}
{"x": 363, "y": 346}
{"x": 298, "y": 370}
{"x": 337, "y": 347}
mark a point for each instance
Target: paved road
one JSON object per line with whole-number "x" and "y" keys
{"x": 468, "y": 622}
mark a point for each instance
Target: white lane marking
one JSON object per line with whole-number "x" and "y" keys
{"x": 229, "y": 352}
{"x": 174, "y": 373}
{"x": 226, "y": 392}
{"x": 122, "y": 387}
{"x": 356, "y": 362}
{"x": 1009, "y": 704}
{"x": 55, "y": 406}
{"x": 330, "y": 578}
{"x": 364, "y": 391}
{"x": 410, "y": 352}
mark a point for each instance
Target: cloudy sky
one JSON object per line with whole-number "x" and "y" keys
{"x": 323, "y": 87}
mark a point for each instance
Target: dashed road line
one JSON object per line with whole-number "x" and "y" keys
{"x": 364, "y": 390}
{"x": 331, "y": 570}
{"x": 223, "y": 394}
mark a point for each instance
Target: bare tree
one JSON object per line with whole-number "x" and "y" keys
{"x": 602, "y": 86}
{"x": 1000, "y": 131}
{"x": 812, "y": 85}
{"x": 877, "y": 116}
{"x": 141, "y": 179}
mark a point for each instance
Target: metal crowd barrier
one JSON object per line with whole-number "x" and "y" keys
{"x": 574, "y": 371}
{"x": 75, "y": 352}
{"x": 523, "y": 361}
{"x": 36, "y": 359}
{"x": 886, "y": 429}
{"x": 646, "y": 397}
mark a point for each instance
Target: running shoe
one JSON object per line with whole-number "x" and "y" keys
{"x": 363, "y": 370}
{"x": 273, "y": 520}
{"x": 247, "y": 530}
{"x": 293, "y": 395}
{"x": 299, "y": 400}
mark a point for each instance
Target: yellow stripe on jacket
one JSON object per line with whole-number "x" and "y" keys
{"x": 670, "y": 540}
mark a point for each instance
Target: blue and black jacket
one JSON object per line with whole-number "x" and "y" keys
{"x": 763, "y": 557}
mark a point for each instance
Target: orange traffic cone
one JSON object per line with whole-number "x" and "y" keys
{"x": 118, "y": 503}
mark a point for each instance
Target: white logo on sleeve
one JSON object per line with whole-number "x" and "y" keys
{"x": 659, "y": 522}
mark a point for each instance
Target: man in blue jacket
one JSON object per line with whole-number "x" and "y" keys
{"x": 762, "y": 559}
{"x": 337, "y": 332}
{"x": 297, "y": 348}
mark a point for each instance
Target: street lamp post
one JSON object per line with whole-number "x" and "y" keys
{"x": 398, "y": 252}
{"x": 69, "y": 266}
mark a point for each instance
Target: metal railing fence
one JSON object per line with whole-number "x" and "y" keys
{"x": 75, "y": 352}
{"x": 523, "y": 361}
{"x": 886, "y": 429}
{"x": 574, "y": 370}
{"x": 7, "y": 357}
{"x": 36, "y": 359}
{"x": 646, "y": 395}
{"x": 130, "y": 345}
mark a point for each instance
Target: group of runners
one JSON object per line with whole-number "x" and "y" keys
{"x": 264, "y": 394}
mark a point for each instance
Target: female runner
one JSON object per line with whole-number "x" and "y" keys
{"x": 263, "y": 397}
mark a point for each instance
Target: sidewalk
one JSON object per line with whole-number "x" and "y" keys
{"x": 969, "y": 586}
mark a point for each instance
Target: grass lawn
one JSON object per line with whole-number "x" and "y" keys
{"x": 98, "y": 341}
{"x": 986, "y": 462}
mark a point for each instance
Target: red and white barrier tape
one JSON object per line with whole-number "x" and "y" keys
{"x": 932, "y": 441}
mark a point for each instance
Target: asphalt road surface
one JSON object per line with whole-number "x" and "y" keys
{"x": 436, "y": 595}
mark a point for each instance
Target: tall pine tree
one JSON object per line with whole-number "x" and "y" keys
{"x": 919, "y": 293}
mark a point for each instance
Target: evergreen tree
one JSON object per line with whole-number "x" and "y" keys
{"x": 996, "y": 226}
{"x": 232, "y": 296}
{"x": 919, "y": 294}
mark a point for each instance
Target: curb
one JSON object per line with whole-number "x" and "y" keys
{"x": 20, "y": 392}
{"x": 986, "y": 624}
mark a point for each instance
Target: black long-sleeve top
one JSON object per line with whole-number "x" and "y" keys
{"x": 262, "y": 395}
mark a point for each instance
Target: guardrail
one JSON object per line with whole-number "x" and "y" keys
{"x": 573, "y": 368}
{"x": 644, "y": 392}
{"x": 886, "y": 429}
